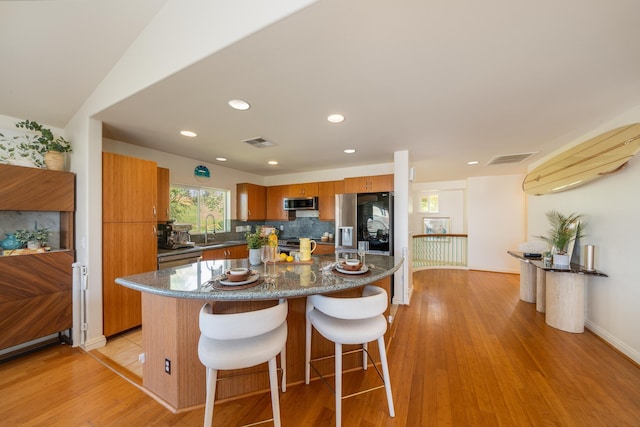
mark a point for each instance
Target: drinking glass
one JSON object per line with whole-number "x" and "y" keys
{"x": 265, "y": 256}
{"x": 363, "y": 247}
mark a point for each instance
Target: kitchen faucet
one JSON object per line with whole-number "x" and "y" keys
{"x": 206, "y": 230}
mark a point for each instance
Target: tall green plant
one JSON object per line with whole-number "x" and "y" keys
{"x": 564, "y": 230}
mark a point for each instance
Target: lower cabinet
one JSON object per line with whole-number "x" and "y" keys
{"x": 127, "y": 248}
{"x": 35, "y": 296}
{"x": 230, "y": 252}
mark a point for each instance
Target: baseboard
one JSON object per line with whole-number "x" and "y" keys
{"x": 97, "y": 342}
{"x": 613, "y": 341}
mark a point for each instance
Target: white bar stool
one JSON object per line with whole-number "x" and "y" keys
{"x": 241, "y": 340}
{"x": 349, "y": 321}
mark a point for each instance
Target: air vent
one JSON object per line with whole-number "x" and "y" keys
{"x": 259, "y": 142}
{"x": 510, "y": 158}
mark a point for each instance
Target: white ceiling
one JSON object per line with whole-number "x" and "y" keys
{"x": 450, "y": 81}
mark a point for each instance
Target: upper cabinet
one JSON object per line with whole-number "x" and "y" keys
{"x": 275, "y": 204}
{"x": 369, "y": 184}
{"x": 164, "y": 184}
{"x": 251, "y": 202}
{"x": 33, "y": 189}
{"x": 327, "y": 191}
{"x": 129, "y": 189}
{"x": 308, "y": 189}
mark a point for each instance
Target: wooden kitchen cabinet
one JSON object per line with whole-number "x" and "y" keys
{"x": 230, "y": 252}
{"x": 129, "y": 235}
{"x": 164, "y": 187}
{"x": 128, "y": 248}
{"x": 327, "y": 191}
{"x": 36, "y": 288}
{"x": 369, "y": 184}
{"x": 251, "y": 202}
{"x": 307, "y": 189}
{"x": 275, "y": 202}
{"x": 323, "y": 248}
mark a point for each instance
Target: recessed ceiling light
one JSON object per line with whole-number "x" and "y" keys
{"x": 350, "y": 150}
{"x": 335, "y": 118}
{"x": 188, "y": 133}
{"x": 272, "y": 162}
{"x": 473, "y": 162}
{"x": 239, "y": 104}
{"x": 221, "y": 159}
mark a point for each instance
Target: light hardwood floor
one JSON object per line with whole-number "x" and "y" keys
{"x": 468, "y": 352}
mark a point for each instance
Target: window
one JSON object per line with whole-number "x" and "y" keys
{"x": 429, "y": 203}
{"x": 192, "y": 205}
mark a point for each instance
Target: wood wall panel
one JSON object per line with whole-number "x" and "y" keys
{"x": 33, "y": 189}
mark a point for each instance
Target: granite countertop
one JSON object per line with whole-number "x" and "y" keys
{"x": 290, "y": 281}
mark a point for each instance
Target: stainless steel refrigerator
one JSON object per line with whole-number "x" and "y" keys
{"x": 364, "y": 217}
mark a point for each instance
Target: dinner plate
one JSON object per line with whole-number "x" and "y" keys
{"x": 362, "y": 270}
{"x": 251, "y": 279}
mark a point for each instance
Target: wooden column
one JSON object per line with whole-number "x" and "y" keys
{"x": 527, "y": 282}
{"x": 565, "y": 301}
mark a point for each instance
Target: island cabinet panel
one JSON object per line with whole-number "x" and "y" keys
{"x": 33, "y": 189}
{"x": 35, "y": 296}
{"x": 327, "y": 191}
{"x": 251, "y": 202}
{"x": 129, "y": 235}
{"x": 368, "y": 184}
{"x": 164, "y": 187}
{"x": 170, "y": 331}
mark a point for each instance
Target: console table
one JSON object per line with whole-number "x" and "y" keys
{"x": 557, "y": 290}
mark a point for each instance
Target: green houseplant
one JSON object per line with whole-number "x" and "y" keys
{"x": 33, "y": 238}
{"x": 564, "y": 230}
{"x": 38, "y": 149}
{"x": 255, "y": 241}
{"x": 50, "y": 147}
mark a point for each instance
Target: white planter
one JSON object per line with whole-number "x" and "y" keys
{"x": 560, "y": 259}
{"x": 254, "y": 256}
{"x": 32, "y": 244}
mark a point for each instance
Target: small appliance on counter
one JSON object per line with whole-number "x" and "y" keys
{"x": 174, "y": 236}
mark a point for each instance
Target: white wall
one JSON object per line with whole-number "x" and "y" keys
{"x": 496, "y": 221}
{"x": 611, "y": 208}
{"x": 491, "y": 210}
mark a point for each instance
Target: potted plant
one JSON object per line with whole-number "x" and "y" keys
{"x": 34, "y": 239}
{"x": 563, "y": 231}
{"x": 255, "y": 241}
{"x": 46, "y": 144}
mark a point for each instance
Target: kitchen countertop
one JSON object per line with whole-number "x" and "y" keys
{"x": 293, "y": 279}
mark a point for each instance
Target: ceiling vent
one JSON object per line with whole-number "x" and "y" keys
{"x": 510, "y": 159}
{"x": 259, "y": 142}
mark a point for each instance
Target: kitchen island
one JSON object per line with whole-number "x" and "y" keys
{"x": 172, "y": 298}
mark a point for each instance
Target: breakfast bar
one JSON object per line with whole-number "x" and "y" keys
{"x": 172, "y": 298}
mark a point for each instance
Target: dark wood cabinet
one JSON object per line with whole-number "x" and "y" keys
{"x": 35, "y": 288}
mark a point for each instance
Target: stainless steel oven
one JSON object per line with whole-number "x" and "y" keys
{"x": 175, "y": 260}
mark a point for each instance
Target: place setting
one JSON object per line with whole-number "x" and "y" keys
{"x": 236, "y": 279}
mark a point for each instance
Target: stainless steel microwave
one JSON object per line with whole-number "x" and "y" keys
{"x": 300, "y": 203}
